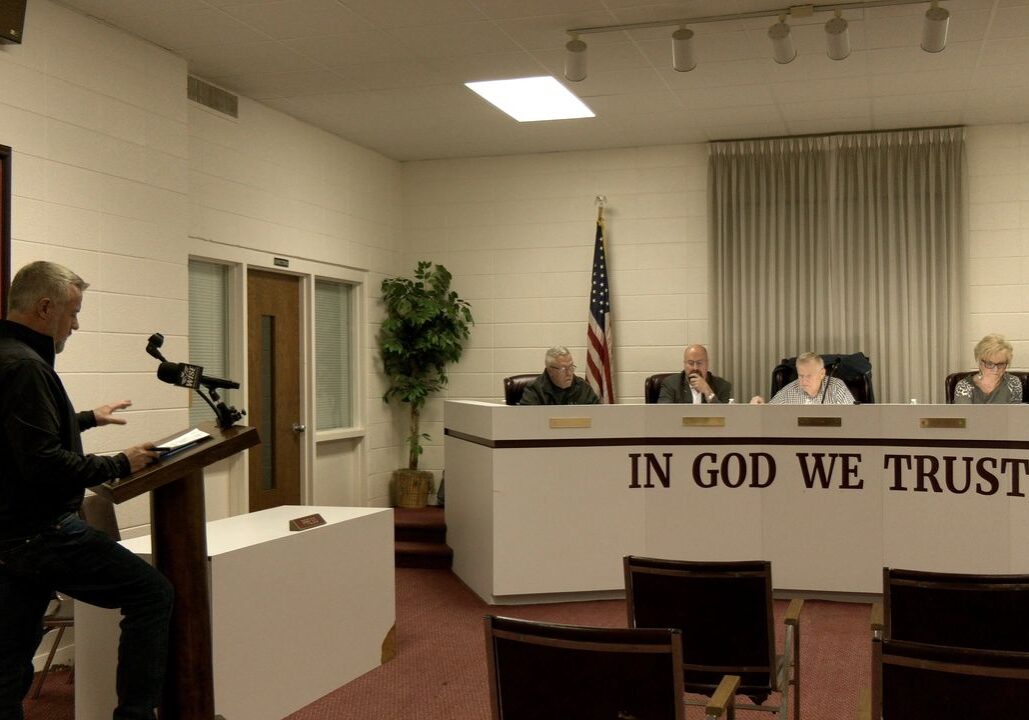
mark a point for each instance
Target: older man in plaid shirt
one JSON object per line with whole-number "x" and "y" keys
{"x": 810, "y": 386}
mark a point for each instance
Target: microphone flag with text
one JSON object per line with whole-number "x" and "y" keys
{"x": 191, "y": 376}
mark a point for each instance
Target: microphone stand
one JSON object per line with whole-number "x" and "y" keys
{"x": 832, "y": 374}
{"x": 226, "y": 414}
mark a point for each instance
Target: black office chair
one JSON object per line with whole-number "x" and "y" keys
{"x": 652, "y": 387}
{"x": 855, "y": 370}
{"x": 515, "y": 385}
{"x": 953, "y": 379}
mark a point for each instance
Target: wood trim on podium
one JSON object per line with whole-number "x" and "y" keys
{"x": 179, "y": 531}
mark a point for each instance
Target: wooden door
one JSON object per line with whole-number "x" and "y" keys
{"x": 273, "y": 332}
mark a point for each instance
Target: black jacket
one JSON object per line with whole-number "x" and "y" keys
{"x": 43, "y": 471}
{"x": 542, "y": 391}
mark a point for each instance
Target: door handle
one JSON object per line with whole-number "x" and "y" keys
{"x": 298, "y": 428}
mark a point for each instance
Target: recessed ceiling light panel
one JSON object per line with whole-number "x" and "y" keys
{"x": 532, "y": 99}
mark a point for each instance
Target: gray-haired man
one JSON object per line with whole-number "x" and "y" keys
{"x": 558, "y": 383}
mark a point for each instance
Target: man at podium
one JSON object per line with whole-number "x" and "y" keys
{"x": 44, "y": 545}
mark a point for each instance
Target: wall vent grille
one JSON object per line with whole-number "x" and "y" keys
{"x": 213, "y": 97}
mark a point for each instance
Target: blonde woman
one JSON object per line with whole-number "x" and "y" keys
{"x": 992, "y": 385}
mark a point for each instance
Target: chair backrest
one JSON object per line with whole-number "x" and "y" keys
{"x": 855, "y": 370}
{"x": 936, "y": 682}
{"x": 514, "y": 386}
{"x": 954, "y": 378}
{"x": 98, "y": 512}
{"x": 652, "y": 387}
{"x": 541, "y": 670}
{"x": 724, "y": 610}
{"x": 989, "y": 612}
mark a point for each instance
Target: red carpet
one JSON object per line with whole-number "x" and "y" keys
{"x": 439, "y": 671}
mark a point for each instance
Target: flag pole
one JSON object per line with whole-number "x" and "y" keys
{"x": 599, "y": 344}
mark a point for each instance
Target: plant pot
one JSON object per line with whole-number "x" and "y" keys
{"x": 411, "y": 488}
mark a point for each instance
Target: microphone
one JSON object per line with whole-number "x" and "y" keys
{"x": 191, "y": 376}
{"x": 152, "y": 344}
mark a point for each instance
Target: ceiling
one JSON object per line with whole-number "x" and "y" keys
{"x": 389, "y": 74}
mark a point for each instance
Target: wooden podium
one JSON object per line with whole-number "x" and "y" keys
{"x": 178, "y": 522}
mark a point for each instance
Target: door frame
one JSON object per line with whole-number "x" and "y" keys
{"x": 240, "y": 260}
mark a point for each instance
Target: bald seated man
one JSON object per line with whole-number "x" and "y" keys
{"x": 695, "y": 384}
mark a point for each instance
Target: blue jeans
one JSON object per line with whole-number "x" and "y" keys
{"x": 87, "y": 565}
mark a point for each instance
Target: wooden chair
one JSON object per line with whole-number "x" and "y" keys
{"x": 724, "y": 610}
{"x": 988, "y": 612}
{"x": 514, "y": 387}
{"x": 981, "y": 612}
{"x": 97, "y": 512}
{"x": 60, "y": 616}
{"x": 939, "y": 682}
{"x": 542, "y": 671}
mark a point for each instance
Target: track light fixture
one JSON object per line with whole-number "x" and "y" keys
{"x": 837, "y": 37}
{"x": 575, "y": 60}
{"x": 682, "y": 50}
{"x": 934, "y": 32}
{"x": 782, "y": 44}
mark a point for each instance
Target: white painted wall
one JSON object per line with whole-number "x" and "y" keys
{"x": 998, "y": 265}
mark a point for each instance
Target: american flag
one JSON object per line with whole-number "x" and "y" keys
{"x": 599, "y": 356}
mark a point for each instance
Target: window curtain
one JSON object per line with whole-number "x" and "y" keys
{"x": 840, "y": 244}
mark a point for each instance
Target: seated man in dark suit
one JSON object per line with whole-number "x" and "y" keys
{"x": 695, "y": 384}
{"x": 558, "y": 384}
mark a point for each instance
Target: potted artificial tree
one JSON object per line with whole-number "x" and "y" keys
{"x": 424, "y": 330}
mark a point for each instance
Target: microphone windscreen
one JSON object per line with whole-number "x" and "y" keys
{"x": 169, "y": 372}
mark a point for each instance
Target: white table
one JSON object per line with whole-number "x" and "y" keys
{"x": 543, "y": 502}
{"x": 295, "y": 615}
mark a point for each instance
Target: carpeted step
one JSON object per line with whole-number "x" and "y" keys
{"x": 423, "y": 555}
{"x": 420, "y": 538}
{"x": 425, "y": 524}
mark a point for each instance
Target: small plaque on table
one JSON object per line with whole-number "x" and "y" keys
{"x": 570, "y": 422}
{"x": 306, "y": 522}
{"x": 819, "y": 422}
{"x": 957, "y": 423}
{"x": 703, "y": 421}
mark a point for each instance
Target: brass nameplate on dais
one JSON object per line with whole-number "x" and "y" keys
{"x": 949, "y": 423}
{"x": 702, "y": 421}
{"x": 569, "y": 422}
{"x": 819, "y": 422}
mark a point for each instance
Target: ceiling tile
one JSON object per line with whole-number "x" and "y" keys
{"x": 298, "y": 18}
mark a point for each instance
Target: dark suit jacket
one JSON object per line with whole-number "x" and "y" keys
{"x": 675, "y": 389}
